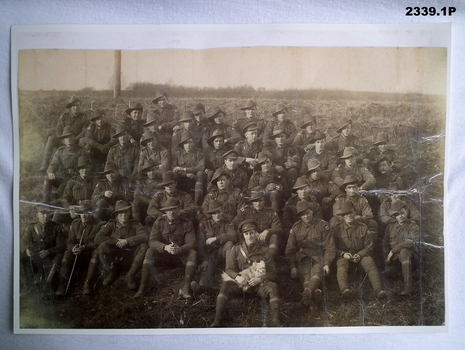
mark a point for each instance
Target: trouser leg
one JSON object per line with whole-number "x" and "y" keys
{"x": 191, "y": 266}
{"x": 222, "y": 301}
{"x": 275, "y": 198}
{"x": 52, "y": 142}
{"x": 148, "y": 270}
{"x": 200, "y": 184}
{"x": 405, "y": 257}
{"x": 273, "y": 245}
{"x": 91, "y": 270}
{"x": 373, "y": 275}
{"x": 342, "y": 274}
{"x": 136, "y": 265}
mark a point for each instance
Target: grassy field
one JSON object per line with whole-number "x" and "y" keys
{"x": 416, "y": 127}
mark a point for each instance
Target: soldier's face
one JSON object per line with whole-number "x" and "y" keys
{"x": 280, "y": 117}
{"x": 75, "y": 108}
{"x": 151, "y": 144}
{"x": 222, "y": 182}
{"x": 307, "y": 216}
{"x": 188, "y": 145}
{"x": 111, "y": 176}
{"x": 151, "y": 173}
{"x": 43, "y": 217}
{"x": 84, "y": 172}
{"x": 170, "y": 188}
{"x": 187, "y": 125}
{"x": 258, "y": 204}
{"x": 85, "y": 217}
{"x": 310, "y": 128}
{"x": 172, "y": 214}
{"x": 351, "y": 190}
{"x": 315, "y": 174}
{"x": 162, "y": 102}
{"x": 382, "y": 147}
{"x": 67, "y": 141}
{"x": 99, "y": 121}
{"x": 384, "y": 167}
{"x": 347, "y": 130}
{"x": 266, "y": 166}
{"x": 123, "y": 217}
{"x": 350, "y": 161}
{"x": 402, "y": 216}
{"x": 218, "y": 142}
{"x": 349, "y": 218}
{"x": 200, "y": 116}
{"x": 123, "y": 138}
{"x": 250, "y": 237}
{"x": 217, "y": 216}
{"x": 251, "y": 136}
{"x": 280, "y": 139}
{"x": 231, "y": 164}
{"x": 152, "y": 128}
{"x": 249, "y": 113}
{"x": 219, "y": 118}
{"x": 320, "y": 146}
{"x": 302, "y": 193}
{"x": 136, "y": 115}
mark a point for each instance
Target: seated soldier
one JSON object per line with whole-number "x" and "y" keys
{"x": 146, "y": 187}
{"x": 385, "y": 179}
{"x": 268, "y": 223}
{"x": 200, "y": 124}
{"x": 249, "y": 117}
{"x": 344, "y": 139}
{"x": 189, "y": 167}
{"x": 384, "y": 214}
{"x": 366, "y": 180}
{"x": 360, "y": 205}
{"x": 109, "y": 190}
{"x": 306, "y": 136}
{"x": 354, "y": 246}
{"x": 213, "y": 243}
{"x": 185, "y": 127}
{"x": 380, "y": 149}
{"x": 216, "y": 124}
{"x": 272, "y": 180}
{"x": 153, "y": 151}
{"x": 187, "y": 207}
{"x": 80, "y": 187}
{"x": 248, "y": 149}
{"x": 80, "y": 249}
{"x": 123, "y": 239}
{"x": 310, "y": 251}
{"x": 134, "y": 123}
{"x": 214, "y": 153}
{"x": 241, "y": 257}
{"x": 125, "y": 155}
{"x": 326, "y": 158}
{"x": 239, "y": 177}
{"x": 401, "y": 241}
{"x": 43, "y": 245}
{"x": 172, "y": 240}
{"x": 280, "y": 121}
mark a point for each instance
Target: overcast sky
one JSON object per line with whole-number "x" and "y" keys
{"x": 401, "y": 70}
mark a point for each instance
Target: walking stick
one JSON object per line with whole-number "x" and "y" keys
{"x": 74, "y": 265}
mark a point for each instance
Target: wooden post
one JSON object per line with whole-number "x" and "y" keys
{"x": 117, "y": 76}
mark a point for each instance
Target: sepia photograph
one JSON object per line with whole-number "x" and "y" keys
{"x": 231, "y": 186}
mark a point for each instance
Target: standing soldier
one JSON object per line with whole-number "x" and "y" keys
{"x": 214, "y": 153}
{"x": 172, "y": 239}
{"x": 306, "y": 136}
{"x": 241, "y": 257}
{"x": 122, "y": 239}
{"x": 366, "y": 180}
{"x": 124, "y": 155}
{"x": 282, "y": 123}
{"x": 167, "y": 117}
{"x": 310, "y": 251}
{"x": 134, "y": 123}
{"x": 344, "y": 139}
{"x": 200, "y": 124}
{"x": 355, "y": 246}
{"x": 250, "y": 117}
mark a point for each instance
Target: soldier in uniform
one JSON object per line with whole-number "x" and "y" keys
{"x": 167, "y": 117}
{"x": 63, "y": 165}
{"x": 354, "y": 246}
{"x": 43, "y": 245}
{"x": 401, "y": 242}
{"x": 306, "y": 136}
{"x": 74, "y": 121}
{"x": 249, "y": 111}
{"x": 216, "y": 124}
{"x": 214, "y": 153}
{"x": 384, "y": 214}
{"x": 153, "y": 151}
{"x": 146, "y": 187}
{"x": 80, "y": 187}
{"x": 172, "y": 239}
{"x": 189, "y": 167}
{"x": 200, "y": 124}
{"x": 239, "y": 177}
{"x": 344, "y": 139}
{"x": 185, "y": 127}
{"x": 98, "y": 139}
{"x": 125, "y": 239}
{"x": 249, "y": 148}
{"x": 310, "y": 251}
{"x": 124, "y": 155}
{"x": 282, "y": 123}
{"x": 366, "y": 180}
{"x": 241, "y": 257}
{"x": 380, "y": 149}
{"x": 385, "y": 178}
{"x": 187, "y": 207}
{"x": 134, "y": 123}
{"x": 326, "y": 159}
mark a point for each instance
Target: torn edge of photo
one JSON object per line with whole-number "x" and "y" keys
{"x": 208, "y": 179}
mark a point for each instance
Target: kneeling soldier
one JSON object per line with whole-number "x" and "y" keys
{"x": 310, "y": 251}
{"x": 241, "y": 257}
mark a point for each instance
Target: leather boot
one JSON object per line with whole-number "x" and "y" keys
{"x": 274, "y": 313}
{"x": 307, "y": 294}
{"x": 130, "y": 282}
{"x": 110, "y": 277}
{"x": 144, "y": 281}
{"x": 93, "y": 266}
{"x": 61, "y": 287}
{"x": 52, "y": 273}
{"x": 221, "y": 302}
{"x": 407, "y": 273}
{"x": 191, "y": 266}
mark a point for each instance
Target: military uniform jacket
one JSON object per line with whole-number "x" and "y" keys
{"x": 193, "y": 161}
{"x": 359, "y": 203}
{"x": 374, "y": 154}
{"x": 266, "y": 219}
{"x": 339, "y": 143}
{"x": 214, "y": 157}
{"x": 221, "y": 128}
{"x": 168, "y": 117}
{"x": 290, "y": 208}
{"x": 388, "y": 180}
{"x": 239, "y": 178}
{"x": 120, "y": 188}
{"x": 133, "y": 232}
{"x": 281, "y": 155}
{"x": 327, "y": 160}
{"x": 87, "y": 231}
{"x": 64, "y": 161}
{"x": 314, "y": 240}
{"x": 240, "y": 257}
{"x": 180, "y": 232}
{"x": 322, "y": 188}
{"x": 231, "y": 200}
{"x": 51, "y": 237}
{"x": 366, "y": 179}
{"x": 398, "y": 237}
{"x": 98, "y": 136}
{"x": 208, "y": 228}
{"x": 78, "y": 189}
{"x": 126, "y": 159}
{"x": 146, "y": 188}
{"x": 354, "y": 239}
{"x": 248, "y": 151}
{"x": 77, "y": 124}
{"x": 242, "y": 122}
{"x": 160, "y": 156}
{"x": 303, "y": 139}
{"x": 262, "y": 179}
{"x": 385, "y": 208}
{"x": 187, "y": 206}
{"x": 198, "y": 129}
{"x": 287, "y": 125}
{"x": 135, "y": 127}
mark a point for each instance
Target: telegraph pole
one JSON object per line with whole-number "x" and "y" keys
{"x": 117, "y": 75}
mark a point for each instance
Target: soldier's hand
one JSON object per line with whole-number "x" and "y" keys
{"x": 134, "y": 142}
{"x": 159, "y": 128}
{"x": 358, "y": 217}
{"x": 28, "y": 252}
{"x": 177, "y": 169}
{"x": 211, "y": 240}
{"x": 270, "y": 186}
{"x": 121, "y": 243}
{"x": 294, "y": 272}
{"x": 356, "y": 258}
{"x": 239, "y": 279}
{"x": 203, "y": 266}
{"x": 388, "y": 259}
{"x": 176, "y": 250}
{"x": 51, "y": 176}
{"x": 347, "y": 256}
{"x": 44, "y": 253}
{"x": 77, "y": 249}
{"x": 254, "y": 281}
{"x": 326, "y": 270}
{"x": 176, "y": 128}
{"x": 279, "y": 168}
{"x": 108, "y": 194}
{"x": 262, "y": 236}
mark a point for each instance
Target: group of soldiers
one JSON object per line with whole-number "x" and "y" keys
{"x": 185, "y": 188}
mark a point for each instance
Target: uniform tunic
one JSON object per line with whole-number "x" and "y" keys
{"x": 65, "y": 161}
{"x": 231, "y": 200}
{"x": 340, "y": 142}
{"x": 398, "y": 237}
{"x": 78, "y": 189}
{"x": 159, "y": 155}
{"x": 266, "y": 219}
{"x": 290, "y": 208}
{"x": 187, "y": 206}
{"x": 385, "y": 211}
{"x": 327, "y": 160}
{"x": 133, "y": 232}
{"x": 208, "y": 228}
{"x": 288, "y": 126}
{"x": 354, "y": 239}
{"x": 179, "y": 231}
{"x": 76, "y": 123}
{"x": 126, "y": 159}
{"x": 366, "y": 179}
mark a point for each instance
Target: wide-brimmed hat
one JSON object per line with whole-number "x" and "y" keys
{"x": 346, "y": 208}
{"x": 109, "y": 167}
{"x": 171, "y": 203}
{"x": 318, "y": 136}
{"x": 310, "y": 119}
{"x": 44, "y": 208}
{"x": 213, "y": 207}
{"x": 348, "y": 152}
{"x": 151, "y": 119}
{"x": 216, "y": 111}
{"x": 199, "y": 107}
{"x": 73, "y": 101}
{"x": 146, "y": 136}
{"x": 302, "y": 206}
{"x": 256, "y": 193}
{"x": 380, "y": 159}
{"x": 216, "y": 133}
{"x": 349, "y": 179}
{"x": 121, "y": 206}
{"x": 84, "y": 207}
{"x": 301, "y": 182}
{"x": 252, "y": 126}
{"x": 232, "y": 154}
{"x": 159, "y": 95}
{"x": 247, "y": 225}
{"x": 219, "y": 172}
{"x": 187, "y": 116}
{"x": 312, "y": 164}
{"x": 148, "y": 165}
{"x": 137, "y": 107}
{"x": 380, "y": 138}
{"x": 249, "y": 105}
{"x": 281, "y": 107}
{"x": 344, "y": 124}
{"x": 277, "y": 132}
{"x": 262, "y": 158}
{"x": 396, "y": 207}
{"x": 83, "y": 162}
{"x": 185, "y": 136}
{"x": 67, "y": 131}
{"x": 99, "y": 113}
{"x": 167, "y": 178}
{"x": 120, "y": 129}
